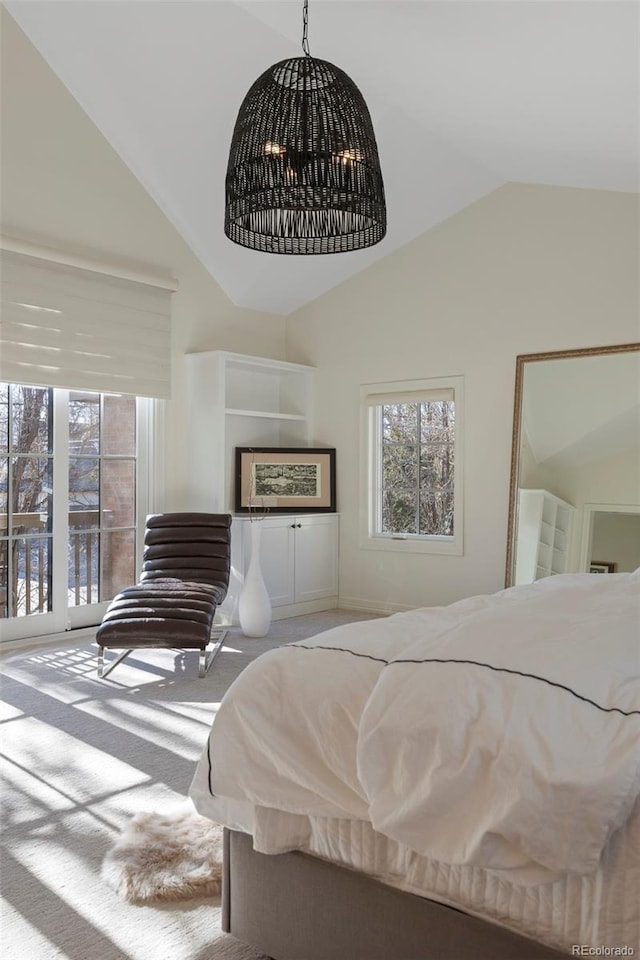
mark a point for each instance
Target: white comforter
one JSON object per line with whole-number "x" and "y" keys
{"x": 501, "y": 731}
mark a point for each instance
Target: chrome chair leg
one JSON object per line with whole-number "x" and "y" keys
{"x": 207, "y": 656}
{"x": 104, "y": 669}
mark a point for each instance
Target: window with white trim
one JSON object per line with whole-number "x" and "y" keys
{"x": 412, "y": 465}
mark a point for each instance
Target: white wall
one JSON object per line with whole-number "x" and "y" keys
{"x": 616, "y": 539}
{"x": 538, "y": 476}
{"x": 63, "y": 186}
{"x": 525, "y": 269}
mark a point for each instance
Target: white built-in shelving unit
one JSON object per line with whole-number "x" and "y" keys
{"x": 236, "y": 400}
{"x": 543, "y": 539}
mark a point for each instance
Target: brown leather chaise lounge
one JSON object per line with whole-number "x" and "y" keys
{"x": 185, "y": 575}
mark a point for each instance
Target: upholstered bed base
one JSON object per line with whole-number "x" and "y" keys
{"x": 297, "y": 907}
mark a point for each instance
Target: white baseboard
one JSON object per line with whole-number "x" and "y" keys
{"x": 303, "y": 608}
{"x": 372, "y": 606}
{"x": 285, "y": 612}
{"x": 68, "y": 636}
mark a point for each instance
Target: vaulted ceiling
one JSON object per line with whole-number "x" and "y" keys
{"x": 464, "y": 97}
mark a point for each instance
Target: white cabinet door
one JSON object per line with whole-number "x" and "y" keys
{"x": 316, "y": 553}
{"x": 298, "y": 559}
{"x": 277, "y": 555}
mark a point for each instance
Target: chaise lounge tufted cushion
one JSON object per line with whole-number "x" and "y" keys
{"x": 163, "y": 613}
{"x": 185, "y": 575}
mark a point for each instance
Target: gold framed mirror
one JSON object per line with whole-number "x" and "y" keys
{"x": 575, "y": 463}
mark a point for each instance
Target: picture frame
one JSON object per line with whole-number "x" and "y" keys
{"x": 600, "y": 566}
{"x": 285, "y": 480}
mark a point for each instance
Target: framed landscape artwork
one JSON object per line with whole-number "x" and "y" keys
{"x": 285, "y": 479}
{"x": 601, "y": 566}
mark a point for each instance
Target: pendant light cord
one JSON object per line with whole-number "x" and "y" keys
{"x": 305, "y": 28}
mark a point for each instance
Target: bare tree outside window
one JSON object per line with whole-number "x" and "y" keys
{"x": 26, "y": 496}
{"x": 417, "y": 468}
{"x": 101, "y": 473}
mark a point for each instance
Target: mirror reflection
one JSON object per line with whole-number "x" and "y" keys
{"x": 575, "y": 470}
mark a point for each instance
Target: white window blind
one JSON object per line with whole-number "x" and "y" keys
{"x": 66, "y": 326}
{"x": 407, "y": 396}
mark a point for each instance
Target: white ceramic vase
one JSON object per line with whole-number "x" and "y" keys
{"x": 254, "y": 605}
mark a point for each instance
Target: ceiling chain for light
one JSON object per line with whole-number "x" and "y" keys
{"x": 305, "y": 28}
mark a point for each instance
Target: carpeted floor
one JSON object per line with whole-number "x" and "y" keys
{"x": 81, "y": 756}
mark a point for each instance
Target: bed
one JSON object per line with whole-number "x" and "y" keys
{"x": 449, "y": 782}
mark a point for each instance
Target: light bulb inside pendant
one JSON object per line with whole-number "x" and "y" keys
{"x": 274, "y": 149}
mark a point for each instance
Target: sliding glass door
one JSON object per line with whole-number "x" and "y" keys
{"x": 70, "y": 505}
{"x": 26, "y": 500}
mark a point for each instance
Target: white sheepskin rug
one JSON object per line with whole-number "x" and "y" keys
{"x": 160, "y": 857}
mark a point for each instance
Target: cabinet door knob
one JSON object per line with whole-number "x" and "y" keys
{"x": 293, "y": 526}
{"x": 298, "y": 524}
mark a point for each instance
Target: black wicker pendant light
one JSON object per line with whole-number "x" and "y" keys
{"x": 304, "y": 175}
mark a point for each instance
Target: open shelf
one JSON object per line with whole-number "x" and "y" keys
{"x": 236, "y": 400}
{"x": 543, "y": 535}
